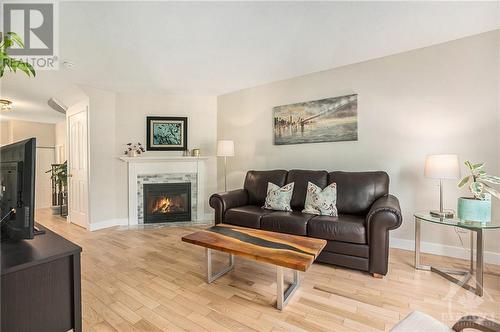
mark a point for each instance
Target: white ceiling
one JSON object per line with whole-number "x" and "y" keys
{"x": 218, "y": 47}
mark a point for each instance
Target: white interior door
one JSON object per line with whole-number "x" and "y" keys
{"x": 43, "y": 185}
{"x": 77, "y": 119}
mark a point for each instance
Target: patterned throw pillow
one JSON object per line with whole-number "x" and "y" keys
{"x": 321, "y": 202}
{"x": 278, "y": 198}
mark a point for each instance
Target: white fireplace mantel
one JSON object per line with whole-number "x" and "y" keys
{"x": 157, "y": 165}
{"x": 149, "y": 159}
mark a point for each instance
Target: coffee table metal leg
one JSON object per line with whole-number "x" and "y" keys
{"x": 284, "y": 295}
{"x": 210, "y": 274}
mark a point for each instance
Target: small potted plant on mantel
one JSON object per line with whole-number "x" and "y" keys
{"x": 478, "y": 207}
{"x": 134, "y": 150}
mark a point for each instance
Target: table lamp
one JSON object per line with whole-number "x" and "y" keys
{"x": 442, "y": 167}
{"x": 225, "y": 148}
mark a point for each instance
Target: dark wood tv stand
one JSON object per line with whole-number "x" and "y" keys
{"x": 41, "y": 284}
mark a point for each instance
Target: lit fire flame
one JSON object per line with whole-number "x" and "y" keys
{"x": 167, "y": 205}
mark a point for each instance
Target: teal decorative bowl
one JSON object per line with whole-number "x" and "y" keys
{"x": 471, "y": 209}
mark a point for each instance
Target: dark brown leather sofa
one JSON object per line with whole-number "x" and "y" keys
{"x": 358, "y": 238}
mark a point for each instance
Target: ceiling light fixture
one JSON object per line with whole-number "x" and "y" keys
{"x": 5, "y": 105}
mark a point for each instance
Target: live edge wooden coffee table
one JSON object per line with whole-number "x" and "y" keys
{"x": 283, "y": 250}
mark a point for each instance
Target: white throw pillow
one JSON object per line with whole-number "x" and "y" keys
{"x": 278, "y": 198}
{"x": 321, "y": 202}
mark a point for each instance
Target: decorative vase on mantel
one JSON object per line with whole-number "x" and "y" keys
{"x": 134, "y": 150}
{"x": 473, "y": 209}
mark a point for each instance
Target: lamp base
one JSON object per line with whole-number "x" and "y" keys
{"x": 443, "y": 214}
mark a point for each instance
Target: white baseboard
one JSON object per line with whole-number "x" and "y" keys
{"x": 108, "y": 223}
{"x": 490, "y": 257}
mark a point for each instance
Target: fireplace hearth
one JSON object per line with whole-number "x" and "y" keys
{"x": 167, "y": 202}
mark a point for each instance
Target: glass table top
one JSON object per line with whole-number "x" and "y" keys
{"x": 493, "y": 224}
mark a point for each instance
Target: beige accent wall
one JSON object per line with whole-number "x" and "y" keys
{"x": 44, "y": 132}
{"x": 439, "y": 99}
{"x": 5, "y": 133}
{"x": 17, "y": 130}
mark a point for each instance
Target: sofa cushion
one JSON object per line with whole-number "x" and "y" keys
{"x": 278, "y": 198}
{"x": 345, "y": 228}
{"x": 301, "y": 178}
{"x": 356, "y": 191}
{"x": 286, "y": 222}
{"x": 321, "y": 201}
{"x": 256, "y": 184}
{"x": 246, "y": 216}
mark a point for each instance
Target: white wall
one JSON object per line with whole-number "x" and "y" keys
{"x": 132, "y": 110}
{"x": 60, "y": 141}
{"x": 498, "y": 96}
{"x": 103, "y": 161}
{"x": 438, "y": 99}
{"x": 115, "y": 120}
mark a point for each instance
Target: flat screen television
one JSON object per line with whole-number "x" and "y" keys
{"x": 17, "y": 189}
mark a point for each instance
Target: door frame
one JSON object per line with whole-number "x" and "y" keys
{"x": 38, "y": 149}
{"x": 79, "y": 107}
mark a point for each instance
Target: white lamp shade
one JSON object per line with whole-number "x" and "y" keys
{"x": 225, "y": 148}
{"x": 442, "y": 166}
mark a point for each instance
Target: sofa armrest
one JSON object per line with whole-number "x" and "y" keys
{"x": 477, "y": 323}
{"x": 385, "y": 213}
{"x": 222, "y": 202}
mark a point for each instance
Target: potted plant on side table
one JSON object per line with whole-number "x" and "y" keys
{"x": 478, "y": 207}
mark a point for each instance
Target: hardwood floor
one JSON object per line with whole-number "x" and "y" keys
{"x": 149, "y": 280}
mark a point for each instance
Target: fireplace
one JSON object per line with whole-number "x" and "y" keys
{"x": 167, "y": 202}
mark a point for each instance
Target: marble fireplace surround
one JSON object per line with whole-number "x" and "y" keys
{"x": 184, "y": 177}
{"x": 163, "y": 169}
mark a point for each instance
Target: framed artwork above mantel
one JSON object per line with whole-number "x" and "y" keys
{"x": 166, "y": 133}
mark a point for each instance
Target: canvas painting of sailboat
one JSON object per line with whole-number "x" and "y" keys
{"x": 326, "y": 120}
